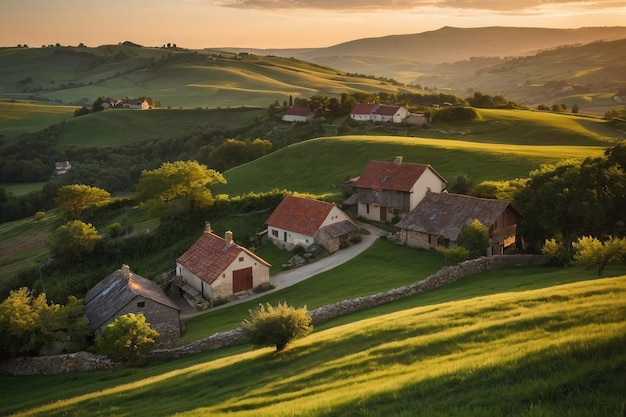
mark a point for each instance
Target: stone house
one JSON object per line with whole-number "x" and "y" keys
{"x": 124, "y": 292}
{"x": 389, "y": 189}
{"x": 437, "y": 221}
{"x": 298, "y": 114}
{"x": 363, "y": 112}
{"x": 217, "y": 268}
{"x": 304, "y": 221}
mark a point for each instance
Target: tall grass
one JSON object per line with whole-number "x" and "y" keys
{"x": 549, "y": 352}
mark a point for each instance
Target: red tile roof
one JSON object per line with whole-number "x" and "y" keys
{"x": 301, "y": 215}
{"x": 210, "y": 256}
{"x": 298, "y": 111}
{"x": 392, "y": 175}
{"x": 364, "y": 108}
{"x": 386, "y": 110}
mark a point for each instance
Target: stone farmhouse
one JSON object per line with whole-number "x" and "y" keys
{"x": 217, "y": 268}
{"x": 389, "y": 189}
{"x": 437, "y": 221}
{"x": 304, "y": 221}
{"x": 124, "y": 292}
{"x": 378, "y": 113}
{"x": 298, "y": 114}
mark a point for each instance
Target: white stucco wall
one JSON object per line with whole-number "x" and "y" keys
{"x": 427, "y": 181}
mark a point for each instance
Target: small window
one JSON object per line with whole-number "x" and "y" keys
{"x": 275, "y": 233}
{"x": 141, "y": 304}
{"x": 241, "y": 259}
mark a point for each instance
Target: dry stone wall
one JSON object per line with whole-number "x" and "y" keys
{"x": 82, "y": 361}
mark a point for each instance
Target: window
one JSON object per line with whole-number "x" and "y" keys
{"x": 274, "y": 233}
{"x": 241, "y": 259}
{"x": 141, "y": 304}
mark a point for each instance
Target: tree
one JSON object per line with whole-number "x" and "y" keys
{"x": 575, "y": 108}
{"x": 73, "y": 200}
{"x": 29, "y": 324}
{"x": 74, "y": 240}
{"x": 187, "y": 180}
{"x": 129, "y": 339}
{"x": 277, "y": 326}
{"x": 589, "y": 251}
{"x": 475, "y": 238}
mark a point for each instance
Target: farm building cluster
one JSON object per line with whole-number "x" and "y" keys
{"x": 363, "y": 112}
{"x": 413, "y": 196}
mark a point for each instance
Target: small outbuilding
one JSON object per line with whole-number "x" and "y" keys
{"x": 124, "y": 292}
{"x": 304, "y": 221}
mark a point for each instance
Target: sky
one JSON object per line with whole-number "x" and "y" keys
{"x": 199, "y": 24}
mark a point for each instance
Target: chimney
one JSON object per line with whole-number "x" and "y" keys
{"x": 126, "y": 272}
{"x": 398, "y": 160}
{"x": 229, "y": 238}
{"x": 207, "y": 227}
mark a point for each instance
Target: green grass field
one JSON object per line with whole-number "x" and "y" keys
{"x": 18, "y": 117}
{"x": 320, "y": 166}
{"x": 552, "y": 351}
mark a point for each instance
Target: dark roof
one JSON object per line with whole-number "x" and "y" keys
{"x": 301, "y": 215}
{"x": 397, "y": 176}
{"x": 109, "y": 296}
{"x": 385, "y": 110}
{"x": 298, "y": 111}
{"x": 341, "y": 228}
{"x": 446, "y": 214}
{"x": 364, "y": 108}
{"x": 209, "y": 256}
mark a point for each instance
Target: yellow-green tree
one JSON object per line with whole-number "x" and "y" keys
{"x": 74, "y": 240}
{"x": 277, "y": 325}
{"x": 73, "y": 200}
{"x": 589, "y": 251}
{"x": 129, "y": 338}
{"x": 185, "y": 180}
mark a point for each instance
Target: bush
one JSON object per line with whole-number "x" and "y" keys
{"x": 277, "y": 326}
{"x": 555, "y": 252}
{"x": 128, "y": 339}
{"x": 456, "y": 255}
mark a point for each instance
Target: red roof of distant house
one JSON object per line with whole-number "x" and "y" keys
{"x": 398, "y": 176}
{"x": 301, "y": 215}
{"x": 364, "y": 108}
{"x": 298, "y": 111}
{"x": 210, "y": 256}
{"x": 386, "y": 110}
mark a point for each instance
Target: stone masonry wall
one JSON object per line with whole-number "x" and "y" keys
{"x": 82, "y": 361}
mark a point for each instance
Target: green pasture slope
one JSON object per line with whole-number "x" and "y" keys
{"x": 320, "y": 166}
{"x": 18, "y": 117}
{"x": 122, "y": 126}
{"x": 174, "y": 77}
{"x": 552, "y": 351}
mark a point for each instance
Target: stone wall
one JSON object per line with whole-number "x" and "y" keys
{"x": 82, "y": 361}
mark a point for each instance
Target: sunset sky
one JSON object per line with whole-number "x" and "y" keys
{"x": 277, "y": 23}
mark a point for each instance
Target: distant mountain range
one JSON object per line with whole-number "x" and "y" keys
{"x": 458, "y": 59}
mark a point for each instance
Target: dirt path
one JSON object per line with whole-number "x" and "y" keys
{"x": 288, "y": 278}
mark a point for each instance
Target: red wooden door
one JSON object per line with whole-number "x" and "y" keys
{"x": 242, "y": 280}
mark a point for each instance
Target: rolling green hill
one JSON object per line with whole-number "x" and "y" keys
{"x": 173, "y": 77}
{"x": 21, "y": 117}
{"x": 551, "y": 351}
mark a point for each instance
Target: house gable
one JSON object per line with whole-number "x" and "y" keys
{"x": 396, "y": 176}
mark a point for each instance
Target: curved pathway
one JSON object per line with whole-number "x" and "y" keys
{"x": 290, "y": 277}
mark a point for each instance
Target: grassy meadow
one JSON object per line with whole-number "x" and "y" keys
{"x": 320, "y": 166}
{"x": 25, "y": 117}
{"x": 551, "y": 351}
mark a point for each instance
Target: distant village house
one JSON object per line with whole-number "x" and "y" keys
{"x": 298, "y": 114}
{"x": 362, "y": 112}
{"x": 62, "y": 167}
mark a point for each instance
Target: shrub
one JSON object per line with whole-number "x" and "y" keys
{"x": 456, "y": 255}
{"x": 277, "y": 326}
{"x": 556, "y": 253}
{"x": 128, "y": 339}
{"x": 475, "y": 237}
